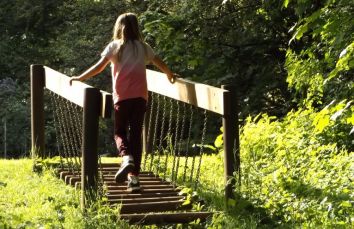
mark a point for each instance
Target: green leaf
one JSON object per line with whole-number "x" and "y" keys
{"x": 346, "y": 204}
{"x": 322, "y": 123}
{"x": 219, "y": 141}
{"x": 187, "y": 202}
{"x": 286, "y": 3}
{"x": 231, "y": 202}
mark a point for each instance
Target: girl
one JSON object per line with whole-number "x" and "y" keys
{"x": 128, "y": 55}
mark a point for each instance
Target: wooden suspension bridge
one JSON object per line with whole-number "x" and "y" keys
{"x": 159, "y": 201}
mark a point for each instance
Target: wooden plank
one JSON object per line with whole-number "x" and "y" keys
{"x": 153, "y": 207}
{"x": 200, "y": 95}
{"x": 139, "y": 195}
{"x": 142, "y": 182}
{"x": 59, "y": 84}
{"x": 146, "y": 200}
{"x": 142, "y": 185}
{"x": 166, "y": 218}
{"x": 150, "y": 190}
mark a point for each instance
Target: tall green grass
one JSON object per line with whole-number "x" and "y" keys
{"x": 298, "y": 176}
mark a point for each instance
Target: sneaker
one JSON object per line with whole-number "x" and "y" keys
{"x": 126, "y": 167}
{"x": 133, "y": 184}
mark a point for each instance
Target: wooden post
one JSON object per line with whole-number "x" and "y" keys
{"x": 89, "y": 172}
{"x": 231, "y": 140}
{"x": 37, "y": 110}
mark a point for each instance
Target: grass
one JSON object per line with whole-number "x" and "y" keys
{"x": 40, "y": 200}
{"x": 30, "y": 200}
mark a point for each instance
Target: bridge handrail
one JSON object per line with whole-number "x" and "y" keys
{"x": 200, "y": 95}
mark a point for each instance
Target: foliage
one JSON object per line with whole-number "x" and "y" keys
{"x": 226, "y": 42}
{"x": 14, "y": 114}
{"x": 320, "y": 59}
{"x": 297, "y": 175}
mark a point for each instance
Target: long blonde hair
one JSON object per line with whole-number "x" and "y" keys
{"x": 126, "y": 29}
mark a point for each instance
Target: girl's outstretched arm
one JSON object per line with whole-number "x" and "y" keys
{"x": 92, "y": 71}
{"x": 165, "y": 69}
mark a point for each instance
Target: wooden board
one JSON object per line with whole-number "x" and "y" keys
{"x": 200, "y": 95}
{"x": 59, "y": 84}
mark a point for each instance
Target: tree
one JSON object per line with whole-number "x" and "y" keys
{"x": 320, "y": 60}
{"x": 226, "y": 42}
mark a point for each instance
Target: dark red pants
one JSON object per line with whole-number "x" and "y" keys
{"x": 128, "y": 125}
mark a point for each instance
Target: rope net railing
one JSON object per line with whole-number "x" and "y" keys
{"x": 177, "y": 138}
{"x": 178, "y": 135}
{"x": 66, "y": 119}
{"x": 67, "y": 122}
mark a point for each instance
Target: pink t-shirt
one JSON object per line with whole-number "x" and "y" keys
{"x": 129, "y": 74}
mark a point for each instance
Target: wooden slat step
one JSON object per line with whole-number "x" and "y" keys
{"x": 153, "y": 207}
{"x": 74, "y": 180}
{"x": 142, "y": 182}
{"x": 112, "y": 172}
{"x": 67, "y": 173}
{"x": 147, "y": 207}
{"x": 146, "y": 200}
{"x": 140, "y": 195}
{"x": 140, "y": 178}
{"x": 112, "y": 183}
{"x": 117, "y": 192}
{"x": 143, "y": 186}
{"x": 68, "y": 178}
{"x": 165, "y": 218}
{"x": 111, "y": 176}
{"x": 105, "y": 165}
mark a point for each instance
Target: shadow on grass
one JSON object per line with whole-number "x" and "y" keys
{"x": 240, "y": 209}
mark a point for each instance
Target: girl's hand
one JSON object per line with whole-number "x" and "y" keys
{"x": 74, "y": 78}
{"x": 172, "y": 77}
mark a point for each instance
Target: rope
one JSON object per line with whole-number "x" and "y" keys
{"x": 155, "y": 131}
{"x": 77, "y": 129}
{"x": 188, "y": 142}
{"x": 71, "y": 133}
{"x": 193, "y": 163}
{"x": 62, "y": 134}
{"x": 162, "y": 130}
{"x": 180, "y": 140}
{"x": 56, "y": 129}
{"x": 175, "y": 142}
{"x": 201, "y": 148}
{"x": 151, "y": 110}
{"x": 169, "y": 136}
{"x": 68, "y": 129}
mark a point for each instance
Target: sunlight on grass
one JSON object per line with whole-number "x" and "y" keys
{"x": 32, "y": 200}
{"x": 29, "y": 200}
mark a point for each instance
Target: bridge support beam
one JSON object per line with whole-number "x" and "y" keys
{"x": 231, "y": 140}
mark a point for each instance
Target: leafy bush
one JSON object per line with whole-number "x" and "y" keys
{"x": 300, "y": 169}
